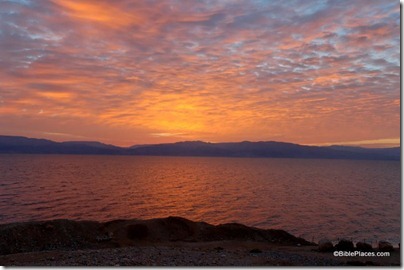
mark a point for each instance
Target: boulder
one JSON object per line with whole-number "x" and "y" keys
{"x": 362, "y": 246}
{"x": 325, "y": 246}
{"x": 344, "y": 245}
{"x": 385, "y": 246}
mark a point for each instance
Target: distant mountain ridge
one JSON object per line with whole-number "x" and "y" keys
{"x": 267, "y": 149}
{"x": 24, "y": 145}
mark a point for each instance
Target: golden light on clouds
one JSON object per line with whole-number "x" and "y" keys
{"x": 132, "y": 72}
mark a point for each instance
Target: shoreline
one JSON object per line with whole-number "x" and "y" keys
{"x": 162, "y": 241}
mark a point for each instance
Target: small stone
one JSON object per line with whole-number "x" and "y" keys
{"x": 361, "y": 246}
{"x": 385, "y": 246}
{"x": 344, "y": 245}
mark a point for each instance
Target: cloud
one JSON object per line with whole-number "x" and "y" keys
{"x": 313, "y": 71}
{"x": 166, "y": 134}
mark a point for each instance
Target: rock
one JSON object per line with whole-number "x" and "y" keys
{"x": 344, "y": 245}
{"x": 361, "y": 246}
{"x": 385, "y": 246}
{"x": 325, "y": 246}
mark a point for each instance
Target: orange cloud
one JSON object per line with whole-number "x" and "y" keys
{"x": 99, "y": 12}
{"x": 56, "y": 95}
{"x": 134, "y": 72}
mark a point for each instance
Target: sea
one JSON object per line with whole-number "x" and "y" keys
{"x": 310, "y": 198}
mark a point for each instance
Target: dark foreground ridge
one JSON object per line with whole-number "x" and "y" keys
{"x": 172, "y": 241}
{"x": 270, "y": 149}
{"x": 71, "y": 235}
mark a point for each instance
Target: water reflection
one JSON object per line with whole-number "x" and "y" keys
{"x": 310, "y": 198}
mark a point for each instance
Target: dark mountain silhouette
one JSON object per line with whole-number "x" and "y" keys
{"x": 23, "y": 145}
{"x": 266, "y": 149}
{"x": 190, "y": 148}
{"x": 392, "y": 152}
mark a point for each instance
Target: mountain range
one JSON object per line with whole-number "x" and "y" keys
{"x": 267, "y": 149}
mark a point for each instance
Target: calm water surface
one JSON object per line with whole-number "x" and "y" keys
{"x": 308, "y": 198}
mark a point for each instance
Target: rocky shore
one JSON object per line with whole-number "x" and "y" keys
{"x": 171, "y": 241}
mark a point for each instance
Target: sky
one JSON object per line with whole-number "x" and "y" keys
{"x": 134, "y": 72}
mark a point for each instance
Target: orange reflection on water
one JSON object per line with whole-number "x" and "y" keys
{"x": 312, "y": 198}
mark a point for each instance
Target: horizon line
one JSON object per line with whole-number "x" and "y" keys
{"x": 394, "y": 142}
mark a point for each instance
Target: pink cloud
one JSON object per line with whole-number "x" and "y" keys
{"x": 309, "y": 72}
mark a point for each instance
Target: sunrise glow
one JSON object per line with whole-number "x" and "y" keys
{"x": 134, "y": 72}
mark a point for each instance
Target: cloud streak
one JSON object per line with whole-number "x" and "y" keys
{"x": 305, "y": 72}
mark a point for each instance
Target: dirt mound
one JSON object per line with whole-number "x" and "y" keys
{"x": 73, "y": 235}
{"x": 48, "y": 235}
{"x": 235, "y": 231}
